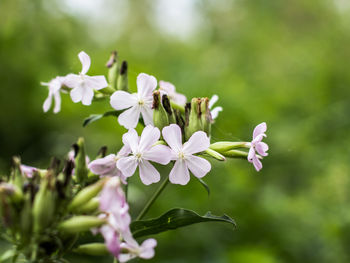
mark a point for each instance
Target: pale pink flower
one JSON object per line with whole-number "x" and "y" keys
{"x": 28, "y": 171}
{"x": 183, "y": 154}
{"x": 170, "y": 90}
{"x": 215, "y": 111}
{"x": 256, "y": 145}
{"x": 82, "y": 85}
{"x": 107, "y": 166}
{"x": 145, "y": 251}
{"x": 143, "y": 151}
{"x": 54, "y": 93}
{"x": 136, "y": 103}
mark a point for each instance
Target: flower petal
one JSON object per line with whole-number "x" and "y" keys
{"x": 145, "y": 84}
{"x": 103, "y": 165}
{"x": 198, "y": 142}
{"x": 112, "y": 240}
{"x": 130, "y": 117}
{"x": 96, "y": 82}
{"x": 213, "y": 100}
{"x": 172, "y": 135}
{"x": 215, "y": 112}
{"x": 72, "y": 80}
{"x": 85, "y": 62}
{"x": 131, "y": 140}
{"x": 88, "y": 95}
{"x": 127, "y": 165}
{"x": 198, "y": 166}
{"x": 257, "y": 164}
{"x": 147, "y": 248}
{"x": 121, "y": 100}
{"x": 148, "y": 173}
{"x": 180, "y": 98}
{"x": 147, "y": 115}
{"x": 262, "y": 148}
{"x": 150, "y": 135}
{"x": 57, "y": 97}
{"x": 259, "y": 129}
{"x": 179, "y": 174}
{"x": 77, "y": 94}
{"x": 167, "y": 87}
{"x": 47, "y": 102}
{"x": 159, "y": 154}
{"x": 251, "y": 154}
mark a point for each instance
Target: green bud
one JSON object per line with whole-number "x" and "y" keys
{"x": 113, "y": 71}
{"x": 194, "y": 118}
{"x": 26, "y": 219}
{"x": 215, "y": 154}
{"x": 160, "y": 117}
{"x": 81, "y": 170}
{"x": 168, "y": 109}
{"x": 16, "y": 177}
{"x": 123, "y": 77}
{"x": 78, "y": 224}
{"x": 90, "y": 206}
{"x": 206, "y": 116}
{"x": 235, "y": 154}
{"x": 44, "y": 203}
{"x": 93, "y": 249}
{"x": 226, "y": 146}
{"x": 86, "y": 194}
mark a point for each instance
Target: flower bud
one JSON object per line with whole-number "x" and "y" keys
{"x": 235, "y": 154}
{"x": 86, "y": 194}
{"x": 16, "y": 177}
{"x": 78, "y": 224}
{"x": 226, "y": 146}
{"x": 194, "y": 118}
{"x": 215, "y": 154}
{"x": 123, "y": 77}
{"x": 26, "y": 219}
{"x": 94, "y": 249}
{"x": 81, "y": 170}
{"x": 160, "y": 116}
{"x": 206, "y": 116}
{"x": 168, "y": 109}
{"x": 113, "y": 71}
{"x": 90, "y": 207}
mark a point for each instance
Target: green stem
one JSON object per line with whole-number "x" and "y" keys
{"x": 153, "y": 198}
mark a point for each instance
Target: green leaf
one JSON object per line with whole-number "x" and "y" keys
{"x": 204, "y": 184}
{"x": 96, "y": 117}
{"x": 174, "y": 218}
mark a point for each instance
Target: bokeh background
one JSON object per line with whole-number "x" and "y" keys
{"x": 283, "y": 62}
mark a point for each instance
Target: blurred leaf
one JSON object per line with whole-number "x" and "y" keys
{"x": 96, "y": 117}
{"x": 173, "y": 219}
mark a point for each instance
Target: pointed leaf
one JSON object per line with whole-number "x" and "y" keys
{"x": 95, "y": 117}
{"x": 174, "y": 218}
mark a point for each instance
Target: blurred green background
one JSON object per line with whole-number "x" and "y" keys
{"x": 283, "y": 62}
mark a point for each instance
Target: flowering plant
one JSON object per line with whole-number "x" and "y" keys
{"x": 44, "y": 211}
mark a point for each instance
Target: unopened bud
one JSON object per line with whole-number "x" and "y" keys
{"x": 81, "y": 170}
{"x": 113, "y": 71}
{"x": 78, "y": 224}
{"x": 226, "y": 146}
{"x": 206, "y": 116}
{"x": 123, "y": 77}
{"x": 160, "y": 117}
{"x": 168, "y": 109}
{"x": 181, "y": 122}
{"x": 86, "y": 194}
{"x": 235, "y": 154}
{"x": 90, "y": 207}
{"x": 16, "y": 177}
{"x": 194, "y": 118}
{"x": 215, "y": 154}
{"x": 93, "y": 249}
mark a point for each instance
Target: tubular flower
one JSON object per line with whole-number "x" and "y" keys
{"x": 183, "y": 154}
{"x": 143, "y": 151}
{"x": 256, "y": 145}
{"x": 107, "y": 166}
{"x": 82, "y": 85}
{"x": 54, "y": 93}
{"x": 136, "y": 103}
{"x": 214, "y": 112}
{"x": 169, "y": 89}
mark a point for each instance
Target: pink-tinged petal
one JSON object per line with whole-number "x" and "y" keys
{"x": 131, "y": 140}
{"x": 180, "y": 98}
{"x": 148, "y": 173}
{"x": 56, "y": 84}
{"x": 121, "y": 100}
{"x": 179, "y": 174}
{"x": 88, "y": 95}
{"x": 147, "y": 115}
{"x": 112, "y": 239}
{"x": 159, "y": 154}
{"x": 258, "y": 138}
{"x": 103, "y": 165}
{"x": 28, "y": 171}
{"x": 262, "y": 148}
{"x": 145, "y": 85}
{"x": 76, "y": 94}
{"x": 251, "y": 154}
{"x": 127, "y": 165}
{"x": 198, "y": 142}
{"x": 47, "y": 102}
{"x": 124, "y": 257}
{"x": 147, "y": 248}
{"x": 124, "y": 151}
{"x": 72, "y": 80}
{"x": 259, "y": 129}
{"x": 57, "y": 97}
{"x": 257, "y": 164}
{"x": 96, "y": 82}
{"x": 213, "y": 100}
{"x": 215, "y": 112}
{"x": 130, "y": 117}
{"x": 85, "y": 62}
{"x": 198, "y": 166}
{"x": 150, "y": 135}
{"x": 172, "y": 136}
{"x": 167, "y": 87}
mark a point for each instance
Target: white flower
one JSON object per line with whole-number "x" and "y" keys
{"x": 143, "y": 151}
{"x": 169, "y": 89}
{"x": 54, "y": 93}
{"x": 136, "y": 103}
{"x": 257, "y": 145}
{"x": 183, "y": 154}
{"x": 82, "y": 85}
{"x": 214, "y": 112}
